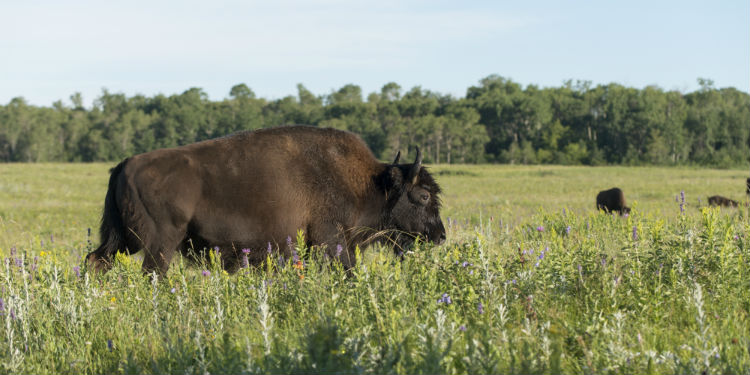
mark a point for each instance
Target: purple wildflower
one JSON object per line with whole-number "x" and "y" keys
{"x": 246, "y": 251}
{"x": 536, "y": 264}
{"x": 269, "y": 248}
{"x": 514, "y": 281}
{"x": 635, "y": 233}
{"x": 466, "y": 264}
{"x": 446, "y": 299}
{"x": 77, "y": 271}
{"x": 12, "y": 251}
{"x": 173, "y": 290}
{"x": 462, "y": 328}
{"x": 540, "y": 229}
{"x": 580, "y": 268}
{"x": 682, "y": 196}
{"x": 604, "y": 262}
{"x": 563, "y": 211}
{"x": 51, "y": 238}
{"x": 339, "y": 249}
{"x": 206, "y": 273}
{"x": 19, "y": 262}
{"x": 471, "y": 272}
{"x": 109, "y": 345}
{"x": 12, "y": 314}
{"x": 480, "y": 308}
{"x": 736, "y": 237}
{"x": 289, "y": 242}
{"x": 567, "y": 230}
{"x": 2, "y": 305}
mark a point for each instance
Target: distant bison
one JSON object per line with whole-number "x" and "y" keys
{"x": 718, "y": 200}
{"x": 612, "y": 200}
{"x": 747, "y": 186}
{"x": 253, "y": 190}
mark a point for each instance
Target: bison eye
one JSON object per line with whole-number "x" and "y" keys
{"x": 424, "y": 197}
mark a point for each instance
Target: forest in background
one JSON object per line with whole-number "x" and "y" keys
{"x": 498, "y": 121}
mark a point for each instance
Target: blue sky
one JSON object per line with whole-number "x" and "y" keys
{"x": 51, "y": 49}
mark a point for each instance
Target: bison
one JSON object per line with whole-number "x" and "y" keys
{"x": 747, "y": 186}
{"x": 718, "y": 200}
{"x": 612, "y": 200}
{"x": 253, "y": 190}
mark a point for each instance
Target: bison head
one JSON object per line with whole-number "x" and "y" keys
{"x": 412, "y": 203}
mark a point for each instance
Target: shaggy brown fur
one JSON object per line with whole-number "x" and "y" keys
{"x": 612, "y": 200}
{"x": 255, "y": 189}
{"x": 718, "y": 200}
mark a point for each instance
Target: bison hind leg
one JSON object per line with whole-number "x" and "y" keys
{"x": 159, "y": 251}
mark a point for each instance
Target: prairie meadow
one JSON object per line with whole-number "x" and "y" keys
{"x": 532, "y": 280}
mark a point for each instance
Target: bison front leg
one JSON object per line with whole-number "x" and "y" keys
{"x": 335, "y": 241}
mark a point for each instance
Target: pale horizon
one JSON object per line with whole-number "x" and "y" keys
{"x": 52, "y": 50}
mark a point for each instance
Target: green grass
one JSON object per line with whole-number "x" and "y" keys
{"x": 674, "y": 298}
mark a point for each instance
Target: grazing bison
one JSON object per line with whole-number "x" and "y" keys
{"x": 718, "y": 200}
{"x": 612, "y": 200}
{"x": 253, "y": 190}
{"x": 747, "y": 186}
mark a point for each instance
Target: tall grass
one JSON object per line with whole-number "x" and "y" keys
{"x": 521, "y": 286}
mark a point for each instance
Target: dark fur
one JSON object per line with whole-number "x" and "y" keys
{"x": 747, "y": 186}
{"x": 612, "y": 200}
{"x": 718, "y": 200}
{"x": 254, "y": 188}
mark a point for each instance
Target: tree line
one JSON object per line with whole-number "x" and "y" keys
{"x": 497, "y": 121}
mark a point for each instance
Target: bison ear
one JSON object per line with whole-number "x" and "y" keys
{"x": 395, "y": 177}
{"x": 398, "y": 157}
{"x": 414, "y": 171}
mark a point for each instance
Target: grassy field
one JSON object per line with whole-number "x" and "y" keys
{"x": 531, "y": 280}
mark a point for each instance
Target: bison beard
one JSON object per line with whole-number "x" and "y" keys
{"x": 252, "y": 190}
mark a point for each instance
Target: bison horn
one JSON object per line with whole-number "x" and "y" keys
{"x": 398, "y": 156}
{"x": 414, "y": 172}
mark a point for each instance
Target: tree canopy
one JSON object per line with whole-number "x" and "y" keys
{"x": 498, "y": 120}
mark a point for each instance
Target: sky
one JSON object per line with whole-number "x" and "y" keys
{"x": 52, "y": 49}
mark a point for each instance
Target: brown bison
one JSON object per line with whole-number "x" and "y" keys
{"x": 747, "y": 186}
{"x": 612, "y": 200}
{"x": 253, "y": 190}
{"x": 718, "y": 200}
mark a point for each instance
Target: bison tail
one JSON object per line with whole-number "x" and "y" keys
{"x": 112, "y": 230}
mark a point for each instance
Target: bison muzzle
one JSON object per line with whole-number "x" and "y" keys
{"x": 254, "y": 190}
